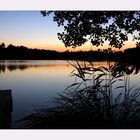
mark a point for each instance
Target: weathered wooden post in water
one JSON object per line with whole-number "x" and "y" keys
{"x": 6, "y": 108}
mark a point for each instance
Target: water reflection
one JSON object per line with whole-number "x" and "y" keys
{"x": 13, "y": 65}
{"x": 36, "y": 82}
{"x": 92, "y": 101}
{"x": 6, "y": 108}
{"x": 3, "y": 68}
{"x": 118, "y": 67}
{"x": 125, "y": 68}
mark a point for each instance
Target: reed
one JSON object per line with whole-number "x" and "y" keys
{"x": 98, "y": 98}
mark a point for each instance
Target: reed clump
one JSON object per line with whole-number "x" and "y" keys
{"x": 98, "y": 98}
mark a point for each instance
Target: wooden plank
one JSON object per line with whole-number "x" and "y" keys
{"x": 6, "y": 107}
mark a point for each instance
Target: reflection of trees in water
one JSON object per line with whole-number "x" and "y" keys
{"x": 118, "y": 68}
{"x": 2, "y": 68}
{"x": 125, "y": 68}
{"x": 13, "y": 67}
{"x": 22, "y": 67}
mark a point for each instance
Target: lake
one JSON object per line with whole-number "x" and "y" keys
{"x": 34, "y": 83}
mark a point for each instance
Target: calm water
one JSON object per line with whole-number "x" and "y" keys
{"x": 34, "y": 83}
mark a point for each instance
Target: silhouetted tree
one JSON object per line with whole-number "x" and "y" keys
{"x": 2, "y": 45}
{"x": 97, "y": 26}
{"x": 10, "y": 46}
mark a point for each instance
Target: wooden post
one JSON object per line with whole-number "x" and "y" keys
{"x": 6, "y": 107}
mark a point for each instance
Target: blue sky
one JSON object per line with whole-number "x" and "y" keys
{"x": 31, "y": 29}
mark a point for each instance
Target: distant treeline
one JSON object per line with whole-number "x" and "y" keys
{"x": 12, "y": 52}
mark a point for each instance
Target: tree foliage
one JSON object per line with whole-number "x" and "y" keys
{"x": 2, "y": 45}
{"x": 97, "y": 27}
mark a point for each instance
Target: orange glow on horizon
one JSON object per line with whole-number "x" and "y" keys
{"x": 59, "y": 46}
{"x": 62, "y": 48}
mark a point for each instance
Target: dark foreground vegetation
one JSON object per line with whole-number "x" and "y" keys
{"x": 99, "y": 98}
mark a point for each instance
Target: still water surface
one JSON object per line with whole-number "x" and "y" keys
{"x": 34, "y": 83}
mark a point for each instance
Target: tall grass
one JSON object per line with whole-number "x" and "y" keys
{"x": 98, "y": 98}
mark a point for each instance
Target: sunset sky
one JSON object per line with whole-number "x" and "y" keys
{"x": 31, "y": 29}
